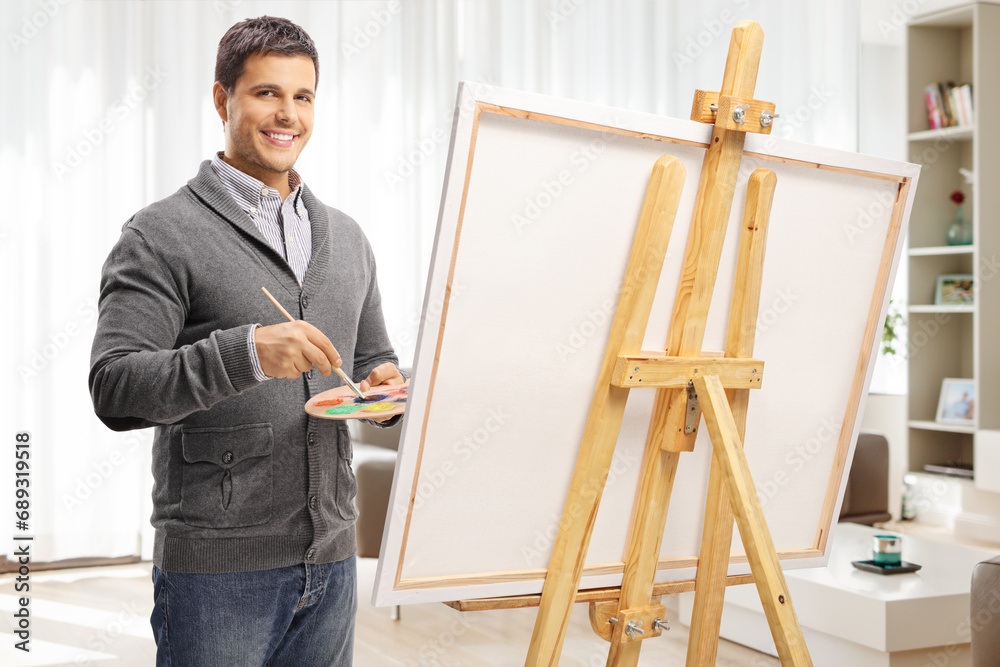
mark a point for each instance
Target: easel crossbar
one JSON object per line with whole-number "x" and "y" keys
{"x": 656, "y": 370}
{"x": 588, "y": 595}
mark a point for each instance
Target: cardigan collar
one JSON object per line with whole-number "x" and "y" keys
{"x": 207, "y": 187}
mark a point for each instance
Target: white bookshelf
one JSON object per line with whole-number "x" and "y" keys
{"x": 962, "y": 45}
{"x": 932, "y": 251}
{"x": 934, "y": 426}
{"x": 947, "y": 133}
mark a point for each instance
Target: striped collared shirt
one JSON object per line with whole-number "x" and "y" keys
{"x": 285, "y": 225}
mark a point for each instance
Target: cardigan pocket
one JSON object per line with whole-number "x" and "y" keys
{"x": 347, "y": 484}
{"x": 227, "y": 476}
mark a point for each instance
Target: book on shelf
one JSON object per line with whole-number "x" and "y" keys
{"x": 949, "y": 105}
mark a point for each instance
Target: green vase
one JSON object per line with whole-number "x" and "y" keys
{"x": 960, "y": 229}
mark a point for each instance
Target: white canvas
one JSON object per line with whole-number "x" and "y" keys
{"x": 517, "y": 313}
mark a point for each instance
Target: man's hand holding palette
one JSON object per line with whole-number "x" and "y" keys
{"x": 377, "y": 403}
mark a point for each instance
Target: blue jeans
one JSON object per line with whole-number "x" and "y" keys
{"x": 299, "y": 616}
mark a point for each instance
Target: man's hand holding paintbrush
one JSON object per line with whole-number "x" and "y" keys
{"x": 291, "y": 348}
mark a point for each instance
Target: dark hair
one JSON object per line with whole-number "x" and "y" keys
{"x": 266, "y": 34}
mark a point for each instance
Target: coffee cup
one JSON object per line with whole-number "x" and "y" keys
{"x": 887, "y": 549}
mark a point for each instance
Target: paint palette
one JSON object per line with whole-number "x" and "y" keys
{"x": 342, "y": 403}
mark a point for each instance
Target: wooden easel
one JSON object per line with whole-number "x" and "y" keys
{"x": 687, "y": 383}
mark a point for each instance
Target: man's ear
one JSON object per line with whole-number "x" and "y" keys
{"x": 221, "y": 99}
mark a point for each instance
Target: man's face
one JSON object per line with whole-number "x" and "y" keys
{"x": 269, "y": 115}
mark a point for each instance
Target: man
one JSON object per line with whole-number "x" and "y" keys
{"x": 253, "y": 499}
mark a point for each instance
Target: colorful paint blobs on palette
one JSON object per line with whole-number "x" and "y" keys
{"x": 343, "y": 410}
{"x": 330, "y": 402}
{"x": 380, "y": 402}
{"x": 380, "y": 407}
{"x": 371, "y": 398}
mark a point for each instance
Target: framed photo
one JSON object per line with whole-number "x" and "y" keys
{"x": 954, "y": 289}
{"x": 957, "y": 404}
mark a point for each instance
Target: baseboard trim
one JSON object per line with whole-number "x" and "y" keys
{"x": 8, "y": 566}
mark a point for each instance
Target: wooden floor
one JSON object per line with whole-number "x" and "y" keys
{"x": 100, "y": 617}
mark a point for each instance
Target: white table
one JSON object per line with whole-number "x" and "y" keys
{"x": 862, "y": 619}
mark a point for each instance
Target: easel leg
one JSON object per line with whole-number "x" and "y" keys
{"x": 717, "y": 536}
{"x": 713, "y": 565}
{"x": 645, "y": 536}
{"x": 756, "y": 538}
{"x": 606, "y": 411}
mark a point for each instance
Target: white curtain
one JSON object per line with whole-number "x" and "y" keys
{"x": 107, "y": 108}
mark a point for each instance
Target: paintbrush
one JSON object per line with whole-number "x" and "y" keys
{"x": 336, "y": 369}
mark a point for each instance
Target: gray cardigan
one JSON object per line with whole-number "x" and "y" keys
{"x": 244, "y": 478}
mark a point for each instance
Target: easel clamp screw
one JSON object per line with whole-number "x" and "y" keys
{"x": 632, "y": 628}
{"x": 730, "y": 112}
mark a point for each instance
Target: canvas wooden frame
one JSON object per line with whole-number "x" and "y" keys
{"x": 484, "y": 114}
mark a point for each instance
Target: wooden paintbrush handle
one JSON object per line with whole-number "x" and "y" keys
{"x": 336, "y": 369}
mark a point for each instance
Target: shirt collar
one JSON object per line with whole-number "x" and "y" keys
{"x": 247, "y": 190}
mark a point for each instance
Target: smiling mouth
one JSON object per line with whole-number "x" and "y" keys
{"x": 282, "y": 139}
